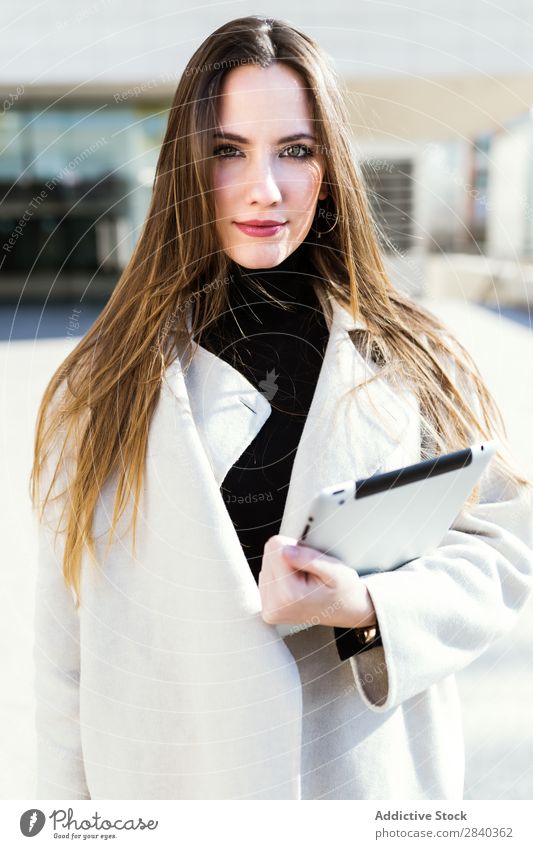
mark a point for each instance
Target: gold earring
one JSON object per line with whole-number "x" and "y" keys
{"x": 323, "y": 232}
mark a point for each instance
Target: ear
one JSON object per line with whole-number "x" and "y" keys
{"x": 322, "y": 195}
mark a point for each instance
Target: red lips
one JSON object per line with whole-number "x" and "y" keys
{"x": 261, "y": 222}
{"x": 260, "y": 227}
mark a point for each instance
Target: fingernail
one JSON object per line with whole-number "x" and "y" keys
{"x": 294, "y": 551}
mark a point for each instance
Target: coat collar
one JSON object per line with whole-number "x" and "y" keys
{"x": 345, "y": 436}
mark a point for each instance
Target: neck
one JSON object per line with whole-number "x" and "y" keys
{"x": 290, "y": 279}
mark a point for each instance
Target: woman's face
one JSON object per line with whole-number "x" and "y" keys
{"x": 259, "y": 174}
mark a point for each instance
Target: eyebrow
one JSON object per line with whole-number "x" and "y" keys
{"x": 242, "y": 140}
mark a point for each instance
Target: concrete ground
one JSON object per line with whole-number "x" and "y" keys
{"x": 497, "y": 689}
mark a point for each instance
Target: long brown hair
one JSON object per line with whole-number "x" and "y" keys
{"x": 94, "y": 416}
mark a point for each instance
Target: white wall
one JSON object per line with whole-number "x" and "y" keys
{"x": 130, "y": 40}
{"x": 510, "y": 211}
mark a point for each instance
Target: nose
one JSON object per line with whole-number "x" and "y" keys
{"x": 261, "y": 184}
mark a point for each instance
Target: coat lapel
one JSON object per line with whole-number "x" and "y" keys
{"x": 346, "y": 435}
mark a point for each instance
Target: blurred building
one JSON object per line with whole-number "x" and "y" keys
{"x": 433, "y": 92}
{"x": 76, "y": 179}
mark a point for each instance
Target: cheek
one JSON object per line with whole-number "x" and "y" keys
{"x": 221, "y": 183}
{"x": 303, "y": 200}
{"x": 217, "y": 180}
{"x": 305, "y": 186}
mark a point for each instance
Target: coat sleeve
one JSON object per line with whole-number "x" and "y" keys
{"x": 439, "y": 612}
{"x": 56, "y": 655}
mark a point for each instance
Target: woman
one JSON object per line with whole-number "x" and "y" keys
{"x": 159, "y": 670}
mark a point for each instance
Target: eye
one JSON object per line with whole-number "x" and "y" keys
{"x": 303, "y": 151}
{"x": 306, "y": 151}
{"x": 217, "y": 151}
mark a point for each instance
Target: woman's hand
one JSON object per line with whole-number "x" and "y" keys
{"x": 313, "y": 588}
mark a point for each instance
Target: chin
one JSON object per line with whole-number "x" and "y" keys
{"x": 260, "y": 256}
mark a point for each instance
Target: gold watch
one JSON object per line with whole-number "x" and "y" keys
{"x": 352, "y": 641}
{"x": 368, "y": 636}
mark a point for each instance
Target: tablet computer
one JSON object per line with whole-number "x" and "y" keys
{"x": 379, "y": 523}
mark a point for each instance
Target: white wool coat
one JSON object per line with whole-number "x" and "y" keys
{"x": 168, "y": 684}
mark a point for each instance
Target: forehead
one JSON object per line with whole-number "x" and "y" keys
{"x": 262, "y": 97}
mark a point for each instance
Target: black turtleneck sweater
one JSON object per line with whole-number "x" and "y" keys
{"x": 280, "y": 351}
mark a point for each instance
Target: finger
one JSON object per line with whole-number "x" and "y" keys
{"x": 278, "y": 583}
{"x": 309, "y": 560}
{"x": 274, "y": 548}
{"x": 304, "y": 553}
{"x": 272, "y": 556}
